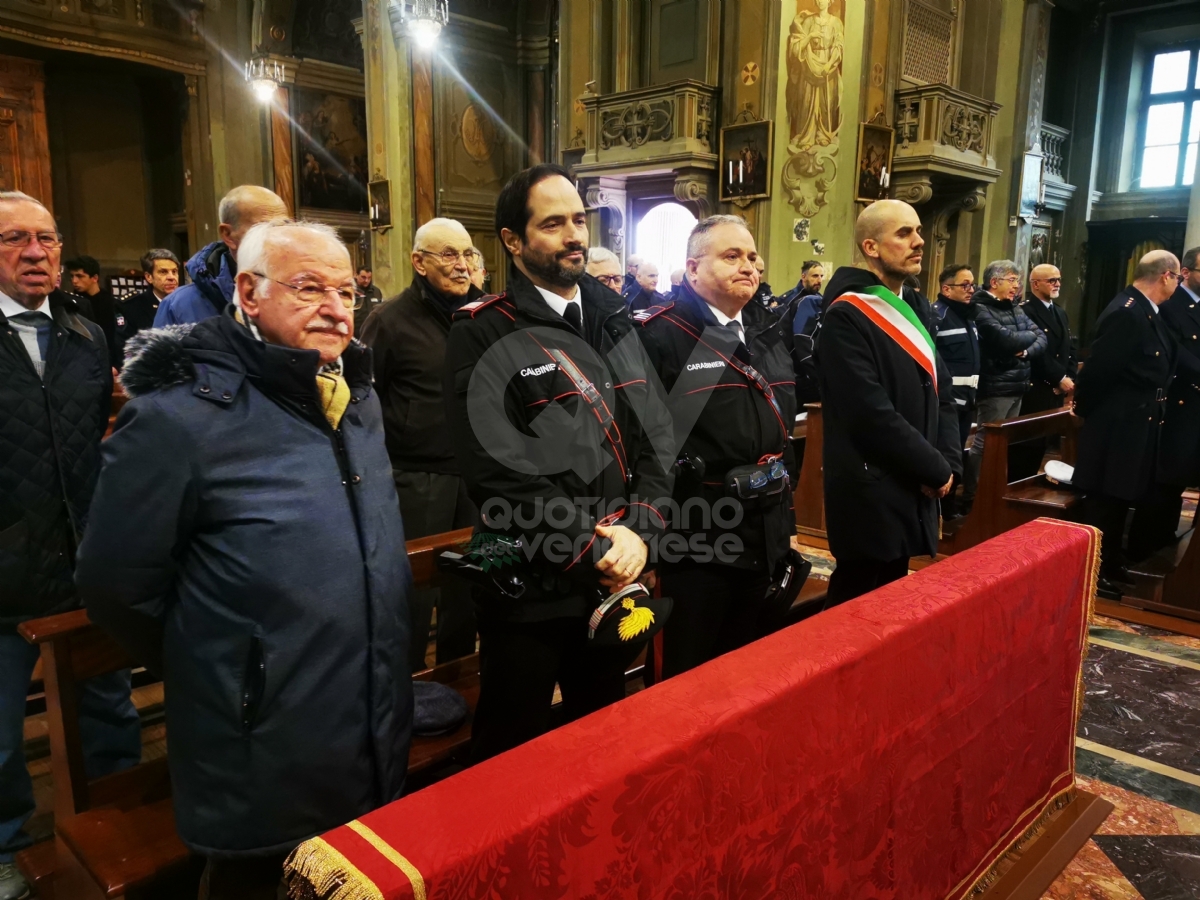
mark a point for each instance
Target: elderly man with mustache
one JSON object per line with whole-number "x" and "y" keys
{"x": 55, "y": 391}
{"x": 246, "y": 541}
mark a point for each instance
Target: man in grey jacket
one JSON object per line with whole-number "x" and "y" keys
{"x": 1008, "y": 340}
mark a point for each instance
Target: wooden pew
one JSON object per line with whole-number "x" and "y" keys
{"x": 115, "y": 836}
{"x": 999, "y": 504}
{"x": 1168, "y": 582}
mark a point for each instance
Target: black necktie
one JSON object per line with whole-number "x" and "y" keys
{"x": 574, "y": 317}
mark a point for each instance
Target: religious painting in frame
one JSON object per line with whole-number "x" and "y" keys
{"x": 875, "y": 146}
{"x": 331, "y": 142}
{"x": 746, "y": 161}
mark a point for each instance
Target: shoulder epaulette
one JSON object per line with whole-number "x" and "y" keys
{"x": 470, "y": 310}
{"x": 1129, "y": 303}
{"x": 643, "y": 316}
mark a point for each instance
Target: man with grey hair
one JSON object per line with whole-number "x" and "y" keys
{"x": 246, "y": 542}
{"x": 408, "y": 338}
{"x": 1121, "y": 394}
{"x": 479, "y": 272}
{"x": 214, "y": 267}
{"x": 55, "y": 391}
{"x": 1008, "y": 340}
{"x": 605, "y": 267}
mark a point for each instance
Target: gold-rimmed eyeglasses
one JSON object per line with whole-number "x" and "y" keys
{"x": 50, "y": 240}
{"x": 309, "y": 293}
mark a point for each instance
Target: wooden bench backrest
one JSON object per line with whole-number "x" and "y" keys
{"x": 73, "y": 649}
{"x": 998, "y": 436}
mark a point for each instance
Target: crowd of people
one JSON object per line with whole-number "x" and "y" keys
{"x": 242, "y": 532}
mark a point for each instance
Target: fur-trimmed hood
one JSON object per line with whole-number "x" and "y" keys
{"x": 156, "y": 359}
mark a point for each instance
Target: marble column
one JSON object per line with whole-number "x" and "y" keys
{"x": 388, "y": 82}
{"x": 1192, "y": 235}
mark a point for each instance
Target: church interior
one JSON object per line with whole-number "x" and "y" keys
{"x": 1058, "y": 134}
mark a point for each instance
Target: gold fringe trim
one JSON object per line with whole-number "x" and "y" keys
{"x": 392, "y": 856}
{"x": 316, "y": 870}
{"x": 992, "y": 875}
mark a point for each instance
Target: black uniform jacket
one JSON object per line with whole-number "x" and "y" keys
{"x": 1179, "y": 456}
{"x": 1056, "y": 361}
{"x": 957, "y": 342}
{"x": 134, "y": 314}
{"x": 1121, "y": 394}
{"x": 887, "y": 432}
{"x": 736, "y": 423}
{"x": 407, "y": 337}
{"x": 528, "y": 444}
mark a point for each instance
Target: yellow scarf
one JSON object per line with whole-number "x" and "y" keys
{"x": 335, "y": 396}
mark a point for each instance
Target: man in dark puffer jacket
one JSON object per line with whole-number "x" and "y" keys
{"x": 1008, "y": 339}
{"x": 55, "y": 392}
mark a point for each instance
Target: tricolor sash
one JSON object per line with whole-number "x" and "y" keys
{"x": 898, "y": 321}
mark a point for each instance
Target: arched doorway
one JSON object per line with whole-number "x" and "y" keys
{"x": 662, "y": 239}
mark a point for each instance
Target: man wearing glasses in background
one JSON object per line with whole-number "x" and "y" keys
{"x": 55, "y": 391}
{"x": 958, "y": 345}
{"x": 408, "y": 338}
{"x": 605, "y": 267}
{"x": 1008, "y": 341}
{"x": 246, "y": 542}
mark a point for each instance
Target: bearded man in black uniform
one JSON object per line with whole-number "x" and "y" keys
{"x": 1121, "y": 393}
{"x": 569, "y": 496}
{"x": 727, "y": 363}
{"x": 892, "y": 443}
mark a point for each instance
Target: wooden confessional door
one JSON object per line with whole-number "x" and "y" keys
{"x": 24, "y": 145}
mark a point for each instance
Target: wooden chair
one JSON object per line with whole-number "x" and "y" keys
{"x": 115, "y": 836}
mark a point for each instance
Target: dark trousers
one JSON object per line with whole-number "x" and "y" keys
{"x": 987, "y": 409}
{"x": 1155, "y": 520}
{"x": 966, "y": 418}
{"x": 433, "y": 503}
{"x": 519, "y": 664}
{"x": 257, "y": 878}
{"x": 1025, "y": 458}
{"x": 854, "y": 577}
{"x": 717, "y": 609}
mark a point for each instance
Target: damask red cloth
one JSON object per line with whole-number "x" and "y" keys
{"x": 894, "y": 747}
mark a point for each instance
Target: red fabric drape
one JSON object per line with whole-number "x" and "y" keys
{"x": 894, "y": 747}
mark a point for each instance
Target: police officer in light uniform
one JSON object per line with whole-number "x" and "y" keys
{"x": 958, "y": 345}
{"x": 1121, "y": 393}
{"x": 555, "y": 337}
{"x": 729, "y": 359}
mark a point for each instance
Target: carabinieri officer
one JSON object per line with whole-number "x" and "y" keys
{"x": 727, "y": 365}
{"x": 553, "y": 451}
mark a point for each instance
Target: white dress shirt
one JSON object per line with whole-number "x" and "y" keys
{"x": 559, "y": 304}
{"x": 725, "y": 320}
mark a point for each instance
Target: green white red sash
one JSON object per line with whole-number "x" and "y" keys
{"x": 898, "y": 321}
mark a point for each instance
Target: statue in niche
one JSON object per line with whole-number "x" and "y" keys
{"x": 814, "y": 90}
{"x": 815, "y": 52}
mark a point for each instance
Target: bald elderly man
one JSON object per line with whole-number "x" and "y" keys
{"x": 408, "y": 338}
{"x": 1121, "y": 393}
{"x": 245, "y": 540}
{"x": 891, "y": 427}
{"x": 213, "y": 268}
{"x": 647, "y": 294}
{"x": 631, "y": 283}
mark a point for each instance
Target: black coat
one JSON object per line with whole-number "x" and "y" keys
{"x": 1058, "y": 360}
{"x": 407, "y": 337}
{"x": 644, "y": 299}
{"x": 369, "y": 300}
{"x": 957, "y": 341}
{"x": 518, "y": 452}
{"x": 735, "y": 423}
{"x": 1004, "y": 331}
{"x": 888, "y": 432}
{"x": 1179, "y": 456}
{"x": 133, "y": 314}
{"x": 50, "y": 431}
{"x": 257, "y": 556}
{"x": 1121, "y": 394}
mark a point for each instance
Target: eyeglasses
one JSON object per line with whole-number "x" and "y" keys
{"x": 965, "y": 285}
{"x": 1178, "y": 276}
{"x": 50, "y": 240}
{"x": 450, "y": 257}
{"x": 312, "y": 294}
{"x": 1049, "y": 280}
{"x": 612, "y": 281}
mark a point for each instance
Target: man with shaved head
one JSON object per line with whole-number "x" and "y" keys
{"x": 1121, "y": 393}
{"x": 632, "y": 263}
{"x": 408, "y": 337}
{"x": 213, "y": 269}
{"x": 891, "y": 429}
{"x": 647, "y": 294}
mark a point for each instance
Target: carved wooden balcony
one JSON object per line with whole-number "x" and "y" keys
{"x": 1056, "y": 146}
{"x": 658, "y": 128}
{"x": 942, "y": 134}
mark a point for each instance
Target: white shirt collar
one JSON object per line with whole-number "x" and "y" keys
{"x": 1047, "y": 303}
{"x": 1153, "y": 306}
{"x": 557, "y": 303}
{"x": 11, "y": 307}
{"x": 1195, "y": 297}
{"x": 724, "y": 319}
